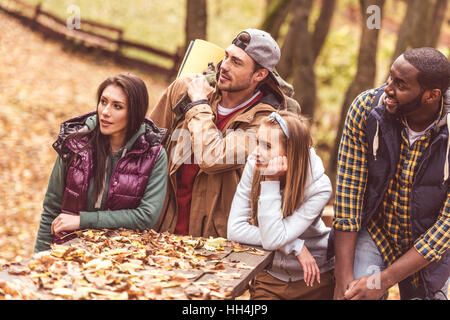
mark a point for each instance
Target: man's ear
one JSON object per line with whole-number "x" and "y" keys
{"x": 433, "y": 96}
{"x": 261, "y": 74}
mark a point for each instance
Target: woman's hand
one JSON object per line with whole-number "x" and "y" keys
{"x": 276, "y": 167}
{"x": 65, "y": 222}
{"x": 310, "y": 269}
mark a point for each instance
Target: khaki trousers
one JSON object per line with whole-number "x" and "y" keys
{"x": 267, "y": 287}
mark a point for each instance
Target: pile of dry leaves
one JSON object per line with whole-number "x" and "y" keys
{"x": 123, "y": 264}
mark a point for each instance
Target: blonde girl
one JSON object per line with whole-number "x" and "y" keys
{"x": 278, "y": 205}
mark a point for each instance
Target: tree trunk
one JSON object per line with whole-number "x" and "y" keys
{"x": 423, "y": 22}
{"x": 406, "y": 31}
{"x": 364, "y": 78}
{"x": 284, "y": 66}
{"x": 436, "y": 22}
{"x": 322, "y": 26}
{"x": 196, "y": 20}
{"x": 318, "y": 37}
{"x": 277, "y": 12}
{"x": 421, "y": 25}
{"x": 303, "y": 67}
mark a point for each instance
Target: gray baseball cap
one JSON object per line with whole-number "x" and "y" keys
{"x": 262, "y": 48}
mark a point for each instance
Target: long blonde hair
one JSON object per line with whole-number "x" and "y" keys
{"x": 297, "y": 152}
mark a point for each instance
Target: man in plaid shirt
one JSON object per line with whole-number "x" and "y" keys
{"x": 392, "y": 206}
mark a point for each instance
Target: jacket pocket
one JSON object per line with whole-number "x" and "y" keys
{"x": 123, "y": 202}
{"x": 70, "y": 201}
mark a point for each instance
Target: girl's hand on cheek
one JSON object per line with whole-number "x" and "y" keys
{"x": 276, "y": 167}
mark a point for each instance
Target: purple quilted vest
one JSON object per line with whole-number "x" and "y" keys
{"x": 128, "y": 180}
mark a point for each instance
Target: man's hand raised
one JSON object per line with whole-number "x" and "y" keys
{"x": 199, "y": 88}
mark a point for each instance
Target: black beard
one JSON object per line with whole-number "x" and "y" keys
{"x": 409, "y": 107}
{"x": 235, "y": 88}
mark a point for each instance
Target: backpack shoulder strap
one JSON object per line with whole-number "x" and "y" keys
{"x": 376, "y": 100}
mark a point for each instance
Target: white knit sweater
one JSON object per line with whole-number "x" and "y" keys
{"x": 284, "y": 235}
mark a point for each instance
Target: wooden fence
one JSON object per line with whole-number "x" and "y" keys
{"x": 92, "y": 35}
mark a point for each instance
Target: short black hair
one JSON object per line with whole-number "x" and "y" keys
{"x": 433, "y": 66}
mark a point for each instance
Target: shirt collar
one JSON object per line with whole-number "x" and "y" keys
{"x": 436, "y": 121}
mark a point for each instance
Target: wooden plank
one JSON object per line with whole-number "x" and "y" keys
{"x": 95, "y": 35}
{"x": 101, "y": 25}
{"x": 81, "y": 34}
{"x": 17, "y": 13}
{"x": 145, "y": 66}
{"x": 52, "y": 17}
{"x": 24, "y": 4}
{"x": 93, "y": 40}
{"x": 148, "y": 49}
{"x": 257, "y": 262}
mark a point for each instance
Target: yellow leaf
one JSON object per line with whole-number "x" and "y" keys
{"x": 170, "y": 285}
{"x": 65, "y": 292}
{"x": 215, "y": 242}
{"x": 58, "y": 250}
{"x": 98, "y": 264}
{"x": 115, "y": 252}
{"x": 41, "y": 275}
{"x": 89, "y": 233}
{"x": 128, "y": 267}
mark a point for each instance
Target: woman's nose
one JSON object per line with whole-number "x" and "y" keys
{"x": 106, "y": 110}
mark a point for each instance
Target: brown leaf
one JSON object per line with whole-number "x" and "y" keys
{"x": 19, "y": 270}
{"x": 219, "y": 266}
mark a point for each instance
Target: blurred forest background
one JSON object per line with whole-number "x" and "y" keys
{"x": 329, "y": 54}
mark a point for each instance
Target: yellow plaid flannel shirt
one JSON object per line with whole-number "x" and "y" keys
{"x": 390, "y": 228}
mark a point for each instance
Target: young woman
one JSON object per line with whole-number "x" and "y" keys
{"x": 278, "y": 205}
{"x": 111, "y": 169}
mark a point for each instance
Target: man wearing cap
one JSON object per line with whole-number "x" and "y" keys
{"x": 208, "y": 148}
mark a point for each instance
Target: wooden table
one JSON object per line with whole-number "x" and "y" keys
{"x": 258, "y": 262}
{"x": 227, "y": 257}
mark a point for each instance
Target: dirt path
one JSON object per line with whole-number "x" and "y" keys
{"x": 40, "y": 86}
